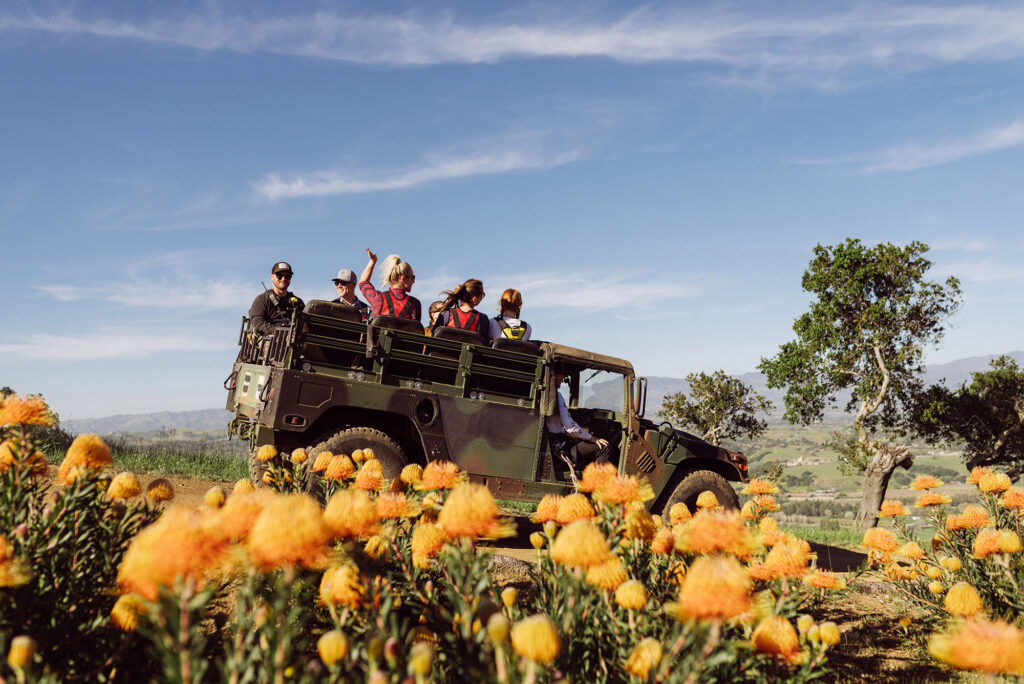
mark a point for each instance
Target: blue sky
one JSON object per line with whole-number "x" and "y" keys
{"x": 653, "y": 177}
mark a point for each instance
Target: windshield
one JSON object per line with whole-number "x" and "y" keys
{"x": 602, "y": 390}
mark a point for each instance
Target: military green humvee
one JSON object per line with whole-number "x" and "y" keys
{"x": 330, "y": 382}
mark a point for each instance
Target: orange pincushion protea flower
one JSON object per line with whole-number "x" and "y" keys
{"x": 1009, "y": 542}
{"x": 911, "y": 550}
{"x": 595, "y": 475}
{"x": 411, "y": 474}
{"x": 963, "y": 600}
{"x": 89, "y": 451}
{"x": 1013, "y": 498}
{"x": 759, "y": 486}
{"x": 471, "y": 511}
{"x": 788, "y": 558}
{"x": 126, "y": 611}
{"x": 321, "y": 461}
{"x": 574, "y": 507}
{"x": 663, "y": 542}
{"x": 823, "y": 579}
{"x": 932, "y": 499}
{"x": 351, "y": 513}
{"x": 891, "y": 509}
{"x": 624, "y": 490}
{"x": 639, "y": 524}
{"x": 993, "y": 647}
{"x": 775, "y": 636}
{"x": 927, "y": 482}
{"x": 748, "y": 510}
{"x": 338, "y": 467}
{"x": 580, "y": 544}
{"x": 236, "y": 517}
{"x": 427, "y": 540}
{"x": 267, "y": 452}
{"x": 643, "y": 657}
{"x": 123, "y": 486}
{"x": 880, "y": 540}
{"x": 160, "y": 489}
{"x": 371, "y": 476}
{"x": 215, "y": 497}
{"x": 707, "y": 499}
{"x": 547, "y": 509}
{"x": 535, "y": 638}
{"x": 608, "y": 575}
{"x": 243, "y": 486}
{"x": 714, "y": 531}
{"x": 631, "y": 595}
{"x": 986, "y": 543}
{"x": 765, "y": 503}
{"x": 376, "y": 547}
{"x": 770, "y": 533}
{"x": 290, "y": 530}
{"x": 182, "y": 542}
{"x": 28, "y": 410}
{"x": 678, "y": 513}
{"x": 440, "y": 475}
{"x": 978, "y": 472}
{"x": 994, "y": 483}
{"x": 341, "y": 585}
{"x": 715, "y": 588}
{"x": 975, "y": 516}
{"x": 396, "y": 505}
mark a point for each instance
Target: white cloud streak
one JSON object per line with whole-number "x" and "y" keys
{"x": 983, "y": 271}
{"x": 811, "y": 45}
{"x": 920, "y": 155}
{"x": 112, "y": 343}
{"x": 598, "y": 292}
{"x": 435, "y": 168}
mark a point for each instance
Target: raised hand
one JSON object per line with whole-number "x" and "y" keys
{"x": 373, "y": 257}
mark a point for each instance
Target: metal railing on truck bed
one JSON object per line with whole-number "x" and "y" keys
{"x": 337, "y": 347}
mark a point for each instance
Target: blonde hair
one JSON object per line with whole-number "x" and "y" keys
{"x": 394, "y": 268}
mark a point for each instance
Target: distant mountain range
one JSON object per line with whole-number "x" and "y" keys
{"x": 605, "y": 393}
{"x": 952, "y": 374}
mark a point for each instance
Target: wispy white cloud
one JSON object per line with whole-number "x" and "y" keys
{"x": 173, "y": 280}
{"x": 963, "y": 244}
{"x": 919, "y": 155}
{"x": 594, "y": 291}
{"x": 112, "y": 343}
{"x": 433, "y": 168}
{"x": 982, "y": 271}
{"x": 814, "y": 43}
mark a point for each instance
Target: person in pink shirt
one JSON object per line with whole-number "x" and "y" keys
{"x": 395, "y": 299}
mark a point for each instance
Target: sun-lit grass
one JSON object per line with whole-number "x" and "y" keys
{"x": 181, "y": 459}
{"x": 846, "y": 537}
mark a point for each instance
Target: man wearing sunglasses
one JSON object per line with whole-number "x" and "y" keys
{"x": 274, "y": 307}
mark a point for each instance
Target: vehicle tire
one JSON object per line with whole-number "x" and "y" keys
{"x": 385, "y": 450}
{"x": 256, "y": 467}
{"x": 690, "y": 487}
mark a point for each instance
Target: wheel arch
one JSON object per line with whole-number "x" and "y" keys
{"x": 691, "y": 465}
{"x": 401, "y": 429}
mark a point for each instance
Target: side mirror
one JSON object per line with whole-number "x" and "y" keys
{"x": 640, "y": 397}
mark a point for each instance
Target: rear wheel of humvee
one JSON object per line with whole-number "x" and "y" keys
{"x": 390, "y": 455}
{"x": 690, "y": 487}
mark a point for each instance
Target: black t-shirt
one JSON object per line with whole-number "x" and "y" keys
{"x": 268, "y": 311}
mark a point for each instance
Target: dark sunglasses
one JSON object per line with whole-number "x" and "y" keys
{"x": 283, "y": 275}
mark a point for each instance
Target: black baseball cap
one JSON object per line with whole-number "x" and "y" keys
{"x": 281, "y": 266}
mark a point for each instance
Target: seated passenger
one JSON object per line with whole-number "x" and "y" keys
{"x": 275, "y": 306}
{"x": 508, "y": 324}
{"x": 396, "y": 300}
{"x": 345, "y": 283}
{"x": 459, "y": 309}
{"x": 434, "y": 310}
{"x": 577, "y": 447}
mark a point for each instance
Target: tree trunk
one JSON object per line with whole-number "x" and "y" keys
{"x": 876, "y": 479}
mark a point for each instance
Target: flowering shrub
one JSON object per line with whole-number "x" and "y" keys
{"x": 60, "y": 550}
{"x": 391, "y": 581}
{"x": 969, "y": 581}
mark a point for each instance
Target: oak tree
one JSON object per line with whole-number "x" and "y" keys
{"x": 987, "y": 415}
{"x": 718, "y": 407}
{"x": 872, "y": 315}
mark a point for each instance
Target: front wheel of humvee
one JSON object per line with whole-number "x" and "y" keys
{"x": 390, "y": 455}
{"x": 690, "y": 487}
